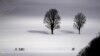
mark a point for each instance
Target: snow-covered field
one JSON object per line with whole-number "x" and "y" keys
{"x": 30, "y": 33}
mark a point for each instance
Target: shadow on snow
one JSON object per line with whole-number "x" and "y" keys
{"x": 68, "y": 32}
{"x": 38, "y": 31}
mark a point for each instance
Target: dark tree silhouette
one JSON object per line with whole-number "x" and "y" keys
{"x": 52, "y": 19}
{"x": 79, "y": 20}
{"x": 93, "y": 48}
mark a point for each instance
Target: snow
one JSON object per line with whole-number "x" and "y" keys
{"x": 30, "y": 33}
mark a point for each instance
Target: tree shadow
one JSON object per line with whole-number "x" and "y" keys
{"x": 68, "y": 32}
{"x": 38, "y": 31}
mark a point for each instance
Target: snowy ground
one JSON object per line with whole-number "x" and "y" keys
{"x": 30, "y": 33}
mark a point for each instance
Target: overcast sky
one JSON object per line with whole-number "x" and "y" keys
{"x": 36, "y": 8}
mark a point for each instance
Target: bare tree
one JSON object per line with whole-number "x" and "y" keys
{"x": 52, "y": 20}
{"x": 79, "y": 21}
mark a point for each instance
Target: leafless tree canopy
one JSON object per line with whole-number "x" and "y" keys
{"x": 52, "y": 19}
{"x": 79, "y": 21}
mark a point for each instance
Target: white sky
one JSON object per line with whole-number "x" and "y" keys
{"x": 36, "y": 8}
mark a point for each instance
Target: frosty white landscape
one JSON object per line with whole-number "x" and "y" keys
{"x": 23, "y": 32}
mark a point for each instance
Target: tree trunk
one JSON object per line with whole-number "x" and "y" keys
{"x": 79, "y": 31}
{"x": 52, "y": 31}
{"x": 52, "y": 26}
